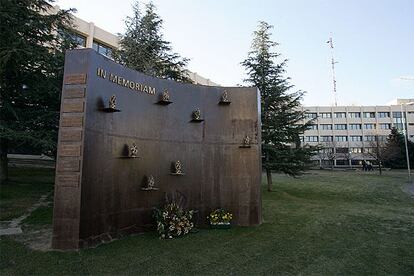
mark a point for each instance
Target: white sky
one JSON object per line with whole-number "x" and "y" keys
{"x": 374, "y": 41}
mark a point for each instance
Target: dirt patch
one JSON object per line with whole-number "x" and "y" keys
{"x": 36, "y": 239}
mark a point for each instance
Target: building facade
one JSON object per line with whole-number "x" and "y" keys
{"x": 350, "y": 134}
{"x": 88, "y": 35}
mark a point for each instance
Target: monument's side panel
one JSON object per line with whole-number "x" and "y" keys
{"x": 66, "y": 213}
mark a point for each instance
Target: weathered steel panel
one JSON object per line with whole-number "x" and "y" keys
{"x": 109, "y": 200}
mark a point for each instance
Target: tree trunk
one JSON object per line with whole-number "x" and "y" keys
{"x": 4, "y": 173}
{"x": 269, "y": 180}
{"x": 380, "y": 167}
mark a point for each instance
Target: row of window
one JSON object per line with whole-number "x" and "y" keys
{"x": 350, "y": 126}
{"x": 313, "y": 115}
{"x": 97, "y": 46}
{"x": 102, "y": 49}
{"x": 347, "y": 150}
{"x": 342, "y": 138}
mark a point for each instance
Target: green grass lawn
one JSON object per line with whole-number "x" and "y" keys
{"x": 25, "y": 187}
{"x": 321, "y": 223}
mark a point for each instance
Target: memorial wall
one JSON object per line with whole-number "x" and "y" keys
{"x": 127, "y": 141}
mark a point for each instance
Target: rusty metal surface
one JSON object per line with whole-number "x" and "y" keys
{"x": 109, "y": 198}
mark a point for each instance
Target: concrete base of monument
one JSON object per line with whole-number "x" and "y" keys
{"x": 95, "y": 241}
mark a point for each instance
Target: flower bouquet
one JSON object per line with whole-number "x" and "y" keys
{"x": 173, "y": 221}
{"x": 220, "y": 219}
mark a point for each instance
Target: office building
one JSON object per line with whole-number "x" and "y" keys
{"x": 88, "y": 35}
{"x": 350, "y": 134}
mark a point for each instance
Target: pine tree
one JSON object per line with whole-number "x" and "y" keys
{"x": 283, "y": 121}
{"x": 394, "y": 153}
{"x": 31, "y": 72}
{"x": 144, "y": 49}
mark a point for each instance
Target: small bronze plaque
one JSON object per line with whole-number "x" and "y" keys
{"x": 71, "y": 180}
{"x": 70, "y": 150}
{"x": 75, "y": 79}
{"x": 71, "y": 121}
{"x": 72, "y": 135}
{"x": 73, "y": 105}
{"x": 68, "y": 165}
{"x": 70, "y": 93}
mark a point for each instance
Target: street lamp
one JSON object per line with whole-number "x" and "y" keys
{"x": 404, "y": 119}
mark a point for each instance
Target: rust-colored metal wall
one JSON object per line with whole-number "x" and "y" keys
{"x": 99, "y": 192}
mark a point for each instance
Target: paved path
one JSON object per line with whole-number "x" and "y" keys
{"x": 13, "y": 227}
{"x": 410, "y": 189}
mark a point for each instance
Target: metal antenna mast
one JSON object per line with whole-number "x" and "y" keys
{"x": 330, "y": 42}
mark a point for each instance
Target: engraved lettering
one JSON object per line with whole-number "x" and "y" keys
{"x": 151, "y": 90}
{"x": 101, "y": 73}
{"x": 126, "y": 83}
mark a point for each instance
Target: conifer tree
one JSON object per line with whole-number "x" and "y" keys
{"x": 394, "y": 153}
{"x": 32, "y": 47}
{"x": 283, "y": 121}
{"x": 144, "y": 49}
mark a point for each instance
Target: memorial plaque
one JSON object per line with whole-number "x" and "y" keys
{"x": 69, "y": 93}
{"x": 71, "y": 121}
{"x": 73, "y": 135}
{"x": 119, "y": 128}
{"x": 70, "y": 149}
{"x": 68, "y": 165}
{"x": 71, "y": 180}
{"x": 72, "y": 105}
{"x": 75, "y": 79}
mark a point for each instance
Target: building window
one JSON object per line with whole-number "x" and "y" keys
{"x": 398, "y": 123}
{"x": 369, "y": 138}
{"x": 341, "y": 162}
{"x": 313, "y": 127}
{"x": 327, "y": 150}
{"x": 369, "y": 114}
{"x": 356, "y": 150}
{"x": 340, "y": 115}
{"x": 102, "y": 49}
{"x": 79, "y": 39}
{"x": 311, "y": 139}
{"x": 342, "y": 150}
{"x": 382, "y": 138}
{"x": 396, "y": 114}
{"x": 398, "y": 120}
{"x": 369, "y": 126}
{"x": 341, "y": 138}
{"x": 385, "y": 126}
{"x": 383, "y": 114}
{"x": 340, "y": 126}
{"x": 326, "y": 138}
{"x": 354, "y": 114}
{"x": 325, "y": 115}
{"x": 369, "y": 150}
{"x": 327, "y": 162}
{"x": 355, "y": 126}
{"x": 356, "y": 138}
{"x": 326, "y": 126}
{"x": 311, "y": 115}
